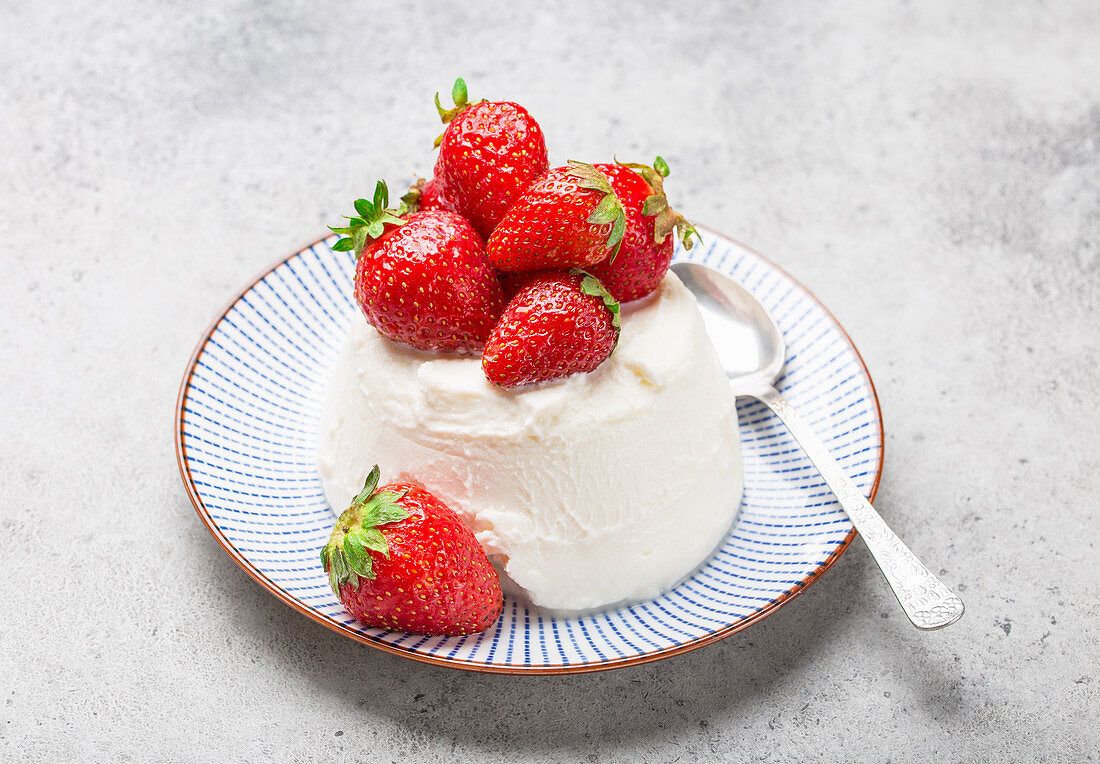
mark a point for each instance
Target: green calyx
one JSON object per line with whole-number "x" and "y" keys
{"x": 346, "y": 556}
{"x": 667, "y": 219}
{"x": 370, "y": 222}
{"x": 459, "y": 96}
{"x": 608, "y": 210}
{"x": 593, "y": 286}
{"x": 462, "y": 102}
{"x": 411, "y": 198}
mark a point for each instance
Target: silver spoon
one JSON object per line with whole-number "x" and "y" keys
{"x": 751, "y": 349}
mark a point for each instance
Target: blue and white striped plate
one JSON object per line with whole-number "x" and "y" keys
{"x": 247, "y": 418}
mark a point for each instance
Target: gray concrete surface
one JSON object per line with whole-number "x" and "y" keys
{"x": 930, "y": 170}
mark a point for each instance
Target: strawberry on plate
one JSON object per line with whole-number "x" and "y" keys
{"x": 559, "y": 323}
{"x": 646, "y": 250}
{"x": 488, "y": 154}
{"x": 568, "y": 218}
{"x": 422, "y": 278}
{"x": 401, "y": 559}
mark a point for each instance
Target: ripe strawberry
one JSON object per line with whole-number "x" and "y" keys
{"x": 401, "y": 559}
{"x": 423, "y": 196}
{"x": 559, "y": 323}
{"x": 422, "y": 278}
{"x": 568, "y": 218}
{"x": 512, "y": 281}
{"x": 488, "y": 154}
{"x": 647, "y": 245}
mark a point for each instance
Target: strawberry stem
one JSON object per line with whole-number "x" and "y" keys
{"x": 411, "y": 198}
{"x": 346, "y": 556}
{"x": 591, "y": 285}
{"x": 667, "y": 219}
{"x": 370, "y": 222}
{"x": 462, "y": 102}
{"x": 459, "y": 96}
{"x": 608, "y": 210}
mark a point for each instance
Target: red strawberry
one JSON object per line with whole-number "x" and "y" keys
{"x": 646, "y": 251}
{"x": 512, "y": 282}
{"x": 401, "y": 559}
{"x": 488, "y": 154}
{"x": 422, "y": 280}
{"x": 568, "y": 218}
{"x": 559, "y": 323}
{"x": 423, "y": 196}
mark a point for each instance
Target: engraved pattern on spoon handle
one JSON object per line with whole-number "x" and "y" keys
{"x": 926, "y": 600}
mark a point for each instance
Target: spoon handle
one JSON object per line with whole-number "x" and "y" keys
{"x": 924, "y": 598}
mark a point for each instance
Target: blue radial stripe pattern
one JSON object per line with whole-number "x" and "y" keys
{"x": 251, "y": 403}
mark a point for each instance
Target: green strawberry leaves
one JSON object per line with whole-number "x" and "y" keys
{"x": 459, "y": 96}
{"x": 357, "y": 556}
{"x": 411, "y": 198}
{"x": 666, "y": 219}
{"x": 608, "y": 210}
{"x": 591, "y": 285}
{"x": 369, "y": 485}
{"x": 370, "y": 222}
{"x": 462, "y": 102}
{"x": 461, "y": 99}
{"x": 346, "y": 556}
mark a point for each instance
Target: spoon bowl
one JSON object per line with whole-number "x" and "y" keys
{"x": 749, "y": 343}
{"x": 751, "y": 349}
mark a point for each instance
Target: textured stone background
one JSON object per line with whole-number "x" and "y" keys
{"x": 930, "y": 170}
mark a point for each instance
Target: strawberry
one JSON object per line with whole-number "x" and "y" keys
{"x": 568, "y": 218}
{"x": 559, "y": 323}
{"x": 488, "y": 154}
{"x": 423, "y": 196}
{"x": 422, "y": 278}
{"x": 511, "y": 282}
{"x": 401, "y": 559}
{"x": 646, "y": 251}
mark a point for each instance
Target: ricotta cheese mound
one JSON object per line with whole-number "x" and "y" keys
{"x": 597, "y": 489}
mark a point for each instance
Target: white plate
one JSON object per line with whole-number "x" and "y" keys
{"x": 247, "y": 419}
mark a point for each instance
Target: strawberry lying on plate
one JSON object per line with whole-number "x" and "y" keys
{"x": 400, "y": 559}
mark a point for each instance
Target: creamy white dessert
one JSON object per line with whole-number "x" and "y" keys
{"x": 593, "y": 490}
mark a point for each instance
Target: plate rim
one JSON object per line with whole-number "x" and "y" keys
{"x": 581, "y": 668}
